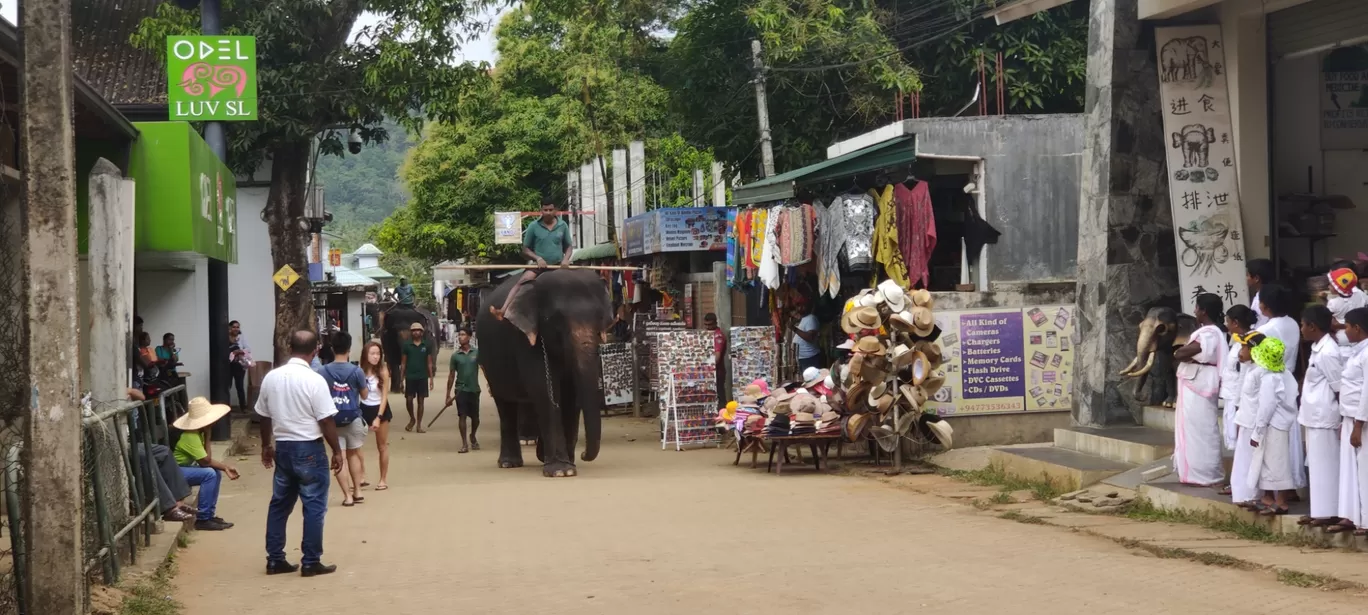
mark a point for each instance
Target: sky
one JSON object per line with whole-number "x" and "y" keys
{"x": 478, "y": 50}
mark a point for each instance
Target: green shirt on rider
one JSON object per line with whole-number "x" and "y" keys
{"x": 548, "y": 243}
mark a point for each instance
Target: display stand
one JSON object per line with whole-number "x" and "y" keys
{"x": 691, "y": 405}
{"x": 752, "y": 356}
{"x": 616, "y": 375}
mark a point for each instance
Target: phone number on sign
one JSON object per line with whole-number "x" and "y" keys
{"x": 1009, "y": 405}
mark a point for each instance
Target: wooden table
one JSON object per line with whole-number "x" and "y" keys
{"x": 819, "y": 444}
{"x": 753, "y": 444}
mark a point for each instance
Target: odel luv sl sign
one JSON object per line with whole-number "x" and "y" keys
{"x": 212, "y": 78}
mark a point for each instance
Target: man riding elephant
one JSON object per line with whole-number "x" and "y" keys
{"x": 547, "y": 243}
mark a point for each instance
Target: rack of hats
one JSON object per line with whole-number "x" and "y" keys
{"x": 687, "y": 359}
{"x": 752, "y": 355}
{"x": 893, "y": 369}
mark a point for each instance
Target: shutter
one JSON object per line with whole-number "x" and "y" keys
{"x": 1317, "y": 26}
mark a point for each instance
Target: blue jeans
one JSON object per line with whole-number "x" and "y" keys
{"x": 208, "y": 481}
{"x": 301, "y": 473}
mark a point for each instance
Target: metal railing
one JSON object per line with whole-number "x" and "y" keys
{"x": 120, "y": 489}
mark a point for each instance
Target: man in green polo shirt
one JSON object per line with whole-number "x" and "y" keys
{"x": 546, "y": 243}
{"x": 463, "y": 388}
{"x": 419, "y": 365}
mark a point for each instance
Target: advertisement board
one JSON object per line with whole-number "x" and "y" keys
{"x": 211, "y": 78}
{"x": 676, "y": 229}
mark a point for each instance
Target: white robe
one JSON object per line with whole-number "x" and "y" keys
{"x": 1319, "y": 416}
{"x": 1241, "y": 488}
{"x": 1323, "y": 463}
{"x": 1285, "y": 330}
{"x": 1349, "y": 506}
{"x": 1197, "y": 433}
{"x": 1230, "y": 394}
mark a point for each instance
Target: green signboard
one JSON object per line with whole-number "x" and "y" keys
{"x": 186, "y": 200}
{"x": 211, "y": 78}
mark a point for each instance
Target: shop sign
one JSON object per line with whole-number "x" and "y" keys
{"x": 507, "y": 227}
{"x": 1344, "y": 98}
{"x": 211, "y": 78}
{"x": 1006, "y": 360}
{"x": 1203, "y": 193}
{"x": 677, "y": 229}
{"x": 186, "y": 198}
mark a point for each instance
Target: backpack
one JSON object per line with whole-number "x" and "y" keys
{"x": 345, "y": 398}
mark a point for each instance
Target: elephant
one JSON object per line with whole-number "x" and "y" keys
{"x": 556, "y": 376}
{"x": 394, "y": 330}
{"x": 1195, "y": 140}
{"x": 1161, "y": 332}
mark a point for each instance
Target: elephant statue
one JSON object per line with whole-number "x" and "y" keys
{"x": 554, "y": 378}
{"x": 394, "y": 330}
{"x": 1161, "y": 332}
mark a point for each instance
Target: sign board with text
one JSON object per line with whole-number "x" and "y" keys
{"x": 677, "y": 229}
{"x": 1006, "y": 360}
{"x": 1208, "y": 232}
{"x": 1344, "y": 98}
{"x": 211, "y": 78}
{"x": 508, "y": 227}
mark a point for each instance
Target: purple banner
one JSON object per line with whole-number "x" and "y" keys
{"x": 992, "y": 363}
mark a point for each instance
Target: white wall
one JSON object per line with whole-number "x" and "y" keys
{"x": 1244, "y": 35}
{"x": 356, "y": 323}
{"x": 177, "y": 301}
{"x": 251, "y": 293}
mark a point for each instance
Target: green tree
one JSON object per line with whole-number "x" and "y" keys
{"x": 362, "y": 189}
{"x": 316, "y": 82}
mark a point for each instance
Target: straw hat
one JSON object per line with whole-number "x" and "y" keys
{"x": 943, "y": 432}
{"x": 893, "y": 295}
{"x": 851, "y": 370}
{"x": 849, "y": 344}
{"x": 200, "y": 415}
{"x": 902, "y": 357}
{"x": 857, "y": 396}
{"x": 859, "y": 319}
{"x": 747, "y": 401}
{"x": 901, "y": 321}
{"x": 922, "y": 298}
{"x": 813, "y": 376}
{"x": 855, "y": 427}
{"x": 754, "y": 392}
{"x": 782, "y": 407}
{"x": 886, "y": 437}
{"x": 922, "y": 321}
{"x": 932, "y": 352}
{"x": 875, "y": 369}
{"x": 905, "y": 422}
{"x": 912, "y": 396}
{"x": 803, "y": 404}
{"x": 933, "y": 383}
{"x": 882, "y": 404}
{"x": 866, "y": 298}
{"x": 919, "y": 367}
{"x": 417, "y": 326}
{"x": 870, "y": 345}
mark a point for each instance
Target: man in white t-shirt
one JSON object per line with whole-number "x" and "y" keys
{"x": 297, "y": 411}
{"x": 805, "y": 339}
{"x": 1258, "y": 272}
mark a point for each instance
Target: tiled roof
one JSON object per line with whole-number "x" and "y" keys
{"x": 104, "y": 57}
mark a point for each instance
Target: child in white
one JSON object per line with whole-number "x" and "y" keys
{"x": 1344, "y": 295}
{"x": 1239, "y": 321}
{"x": 1320, "y": 416}
{"x": 1197, "y": 433}
{"x": 1354, "y": 410}
{"x": 1244, "y": 491}
{"x": 1277, "y": 305}
{"x": 1268, "y": 423}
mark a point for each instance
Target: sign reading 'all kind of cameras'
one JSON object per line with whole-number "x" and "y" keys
{"x": 212, "y": 78}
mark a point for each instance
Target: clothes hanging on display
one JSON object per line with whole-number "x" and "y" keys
{"x": 977, "y": 233}
{"x": 830, "y": 239}
{"x": 769, "y": 253}
{"x": 759, "y": 224}
{"x": 886, "y": 250}
{"x": 795, "y": 236}
{"x": 916, "y": 231}
{"x": 857, "y": 213}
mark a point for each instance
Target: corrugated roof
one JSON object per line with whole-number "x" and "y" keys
{"x": 900, "y": 150}
{"x": 368, "y": 249}
{"x": 376, "y": 272}
{"x": 344, "y": 276}
{"x": 120, "y": 73}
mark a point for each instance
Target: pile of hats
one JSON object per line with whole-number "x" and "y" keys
{"x": 893, "y": 367}
{"x": 799, "y": 410}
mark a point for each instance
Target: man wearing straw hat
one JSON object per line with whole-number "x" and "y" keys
{"x": 197, "y": 463}
{"x": 297, "y": 411}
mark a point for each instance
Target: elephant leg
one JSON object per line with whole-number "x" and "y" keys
{"x": 570, "y": 419}
{"x": 555, "y": 459}
{"x": 510, "y": 452}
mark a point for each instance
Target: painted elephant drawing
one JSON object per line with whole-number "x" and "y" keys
{"x": 394, "y": 328}
{"x": 1185, "y": 59}
{"x": 557, "y": 377}
{"x": 1161, "y": 332}
{"x": 1195, "y": 141}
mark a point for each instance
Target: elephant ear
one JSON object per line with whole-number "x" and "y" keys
{"x": 523, "y": 312}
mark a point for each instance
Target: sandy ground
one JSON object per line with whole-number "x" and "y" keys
{"x": 641, "y": 530}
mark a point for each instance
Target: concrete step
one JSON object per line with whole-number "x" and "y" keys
{"x": 1068, "y": 470}
{"x": 1168, "y": 494}
{"x": 1128, "y": 445}
{"x": 1158, "y": 417}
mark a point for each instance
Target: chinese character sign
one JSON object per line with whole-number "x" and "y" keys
{"x": 211, "y": 78}
{"x": 1203, "y": 191}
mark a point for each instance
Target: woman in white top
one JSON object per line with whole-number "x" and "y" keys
{"x": 1197, "y": 433}
{"x": 1278, "y": 303}
{"x": 375, "y": 408}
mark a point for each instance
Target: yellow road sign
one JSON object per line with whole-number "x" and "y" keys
{"x": 285, "y": 277}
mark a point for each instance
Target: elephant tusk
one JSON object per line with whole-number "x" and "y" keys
{"x": 1127, "y": 370}
{"x": 1148, "y": 365}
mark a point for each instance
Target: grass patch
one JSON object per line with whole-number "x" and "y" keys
{"x": 1314, "y": 581}
{"x": 1203, "y": 557}
{"x": 152, "y": 595}
{"x": 1020, "y": 517}
{"x": 1002, "y": 497}
{"x": 1042, "y": 488}
{"x": 1144, "y": 510}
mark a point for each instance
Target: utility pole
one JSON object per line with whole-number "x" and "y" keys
{"x": 762, "y": 111}
{"x": 210, "y": 23}
{"x": 52, "y": 448}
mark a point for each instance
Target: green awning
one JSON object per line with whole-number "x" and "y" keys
{"x": 603, "y": 250}
{"x": 902, "y": 150}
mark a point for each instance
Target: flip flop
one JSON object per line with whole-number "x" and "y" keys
{"x": 382, "y": 488}
{"x": 463, "y": 450}
{"x": 474, "y": 446}
{"x": 365, "y": 484}
{"x": 358, "y": 500}
{"x": 409, "y": 427}
{"x": 349, "y": 504}
{"x": 1223, "y": 490}
{"x": 1305, "y": 520}
{"x": 1273, "y": 511}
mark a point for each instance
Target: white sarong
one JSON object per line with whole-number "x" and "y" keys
{"x": 1228, "y": 427}
{"x": 1323, "y": 465}
{"x": 1349, "y": 506}
{"x": 1242, "y": 489}
{"x": 1196, "y": 438}
{"x": 1274, "y": 475}
{"x": 1296, "y": 452}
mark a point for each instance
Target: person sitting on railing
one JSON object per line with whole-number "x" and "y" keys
{"x": 197, "y": 462}
{"x": 168, "y": 356}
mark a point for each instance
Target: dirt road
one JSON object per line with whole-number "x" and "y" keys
{"x": 643, "y": 530}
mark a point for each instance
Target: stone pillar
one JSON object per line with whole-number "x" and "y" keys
{"x": 1126, "y": 258}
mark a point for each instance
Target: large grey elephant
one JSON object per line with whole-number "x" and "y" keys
{"x": 555, "y": 378}
{"x": 1161, "y": 332}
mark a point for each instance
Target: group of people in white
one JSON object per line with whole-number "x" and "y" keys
{"x": 1237, "y": 393}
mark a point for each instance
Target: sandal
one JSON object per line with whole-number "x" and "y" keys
{"x": 1273, "y": 511}
{"x": 349, "y": 504}
{"x": 1225, "y": 490}
{"x": 463, "y": 450}
{"x": 382, "y": 487}
{"x": 1305, "y": 520}
{"x": 1338, "y": 528}
{"x": 474, "y": 446}
{"x": 364, "y": 484}
{"x": 356, "y": 499}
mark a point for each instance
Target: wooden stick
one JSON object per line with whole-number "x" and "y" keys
{"x": 501, "y": 267}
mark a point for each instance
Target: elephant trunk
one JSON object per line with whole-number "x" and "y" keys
{"x": 1144, "y": 350}
{"x": 589, "y": 381}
